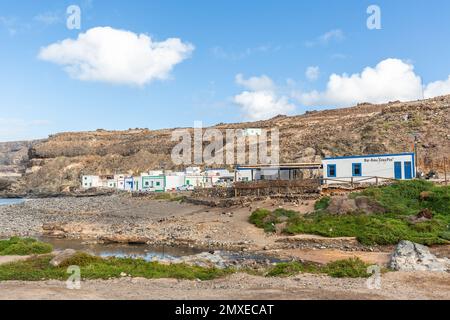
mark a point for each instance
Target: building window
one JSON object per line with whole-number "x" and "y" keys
{"x": 158, "y": 184}
{"x": 356, "y": 169}
{"x": 331, "y": 171}
{"x": 146, "y": 183}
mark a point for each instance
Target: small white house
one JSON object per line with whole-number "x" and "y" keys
{"x": 215, "y": 176}
{"x": 111, "y": 183}
{"x": 193, "y": 171}
{"x": 120, "y": 180}
{"x": 129, "y": 183}
{"x": 195, "y": 180}
{"x": 174, "y": 180}
{"x": 152, "y": 183}
{"x": 88, "y": 182}
{"x": 369, "y": 167}
{"x": 248, "y": 132}
{"x": 243, "y": 174}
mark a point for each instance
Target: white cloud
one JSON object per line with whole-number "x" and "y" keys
{"x": 261, "y": 102}
{"x": 312, "y": 73}
{"x": 391, "y": 79}
{"x": 335, "y": 35}
{"x": 117, "y": 56}
{"x": 437, "y": 88}
{"x": 255, "y": 83}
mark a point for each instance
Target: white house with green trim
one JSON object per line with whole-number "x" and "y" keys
{"x": 152, "y": 183}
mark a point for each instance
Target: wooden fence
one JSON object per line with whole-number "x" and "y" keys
{"x": 354, "y": 181}
{"x": 271, "y": 187}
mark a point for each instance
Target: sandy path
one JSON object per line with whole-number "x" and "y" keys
{"x": 394, "y": 285}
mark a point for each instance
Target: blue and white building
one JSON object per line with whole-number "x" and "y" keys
{"x": 369, "y": 167}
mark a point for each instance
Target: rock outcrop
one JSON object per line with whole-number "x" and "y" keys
{"x": 409, "y": 256}
{"x": 361, "y": 205}
{"x": 56, "y": 163}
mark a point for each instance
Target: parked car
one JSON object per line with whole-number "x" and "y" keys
{"x": 186, "y": 187}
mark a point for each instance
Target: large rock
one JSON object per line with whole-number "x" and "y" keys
{"x": 409, "y": 256}
{"x": 368, "y": 205}
{"x": 61, "y": 257}
{"x": 342, "y": 205}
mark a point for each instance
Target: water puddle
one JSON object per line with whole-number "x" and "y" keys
{"x": 122, "y": 250}
{"x": 149, "y": 253}
{"x": 12, "y": 201}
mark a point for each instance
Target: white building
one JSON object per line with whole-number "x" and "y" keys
{"x": 120, "y": 180}
{"x": 155, "y": 173}
{"x": 243, "y": 174}
{"x": 111, "y": 183}
{"x": 195, "y": 180}
{"x": 193, "y": 171}
{"x": 88, "y": 182}
{"x": 368, "y": 168}
{"x": 215, "y": 176}
{"x": 151, "y": 183}
{"x": 251, "y": 132}
{"x": 173, "y": 181}
{"x": 130, "y": 183}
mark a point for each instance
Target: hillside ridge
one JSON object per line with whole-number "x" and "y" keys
{"x": 56, "y": 163}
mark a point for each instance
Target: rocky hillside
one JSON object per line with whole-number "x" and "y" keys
{"x": 57, "y": 163}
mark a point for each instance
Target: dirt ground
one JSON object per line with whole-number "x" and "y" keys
{"x": 394, "y": 285}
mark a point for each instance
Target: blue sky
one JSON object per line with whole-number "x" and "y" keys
{"x": 243, "y": 60}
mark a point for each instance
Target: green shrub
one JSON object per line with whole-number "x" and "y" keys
{"x": 38, "y": 268}
{"x": 267, "y": 220}
{"x": 285, "y": 269}
{"x": 81, "y": 259}
{"x": 322, "y": 203}
{"x": 445, "y": 235}
{"x": 404, "y": 197}
{"x": 23, "y": 246}
{"x": 258, "y": 216}
{"x": 349, "y": 268}
{"x": 382, "y": 229}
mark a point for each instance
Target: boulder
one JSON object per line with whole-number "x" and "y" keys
{"x": 369, "y": 205}
{"x": 342, "y": 205}
{"x": 409, "y": 256}
{"x": 61, "y": 257}
{"x": 362, "y": 204}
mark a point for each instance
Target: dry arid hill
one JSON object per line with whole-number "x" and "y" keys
{"x": 56, "y": 164}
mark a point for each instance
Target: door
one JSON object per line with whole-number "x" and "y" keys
{"x": 398, "y": 170}
{"x": 408, "y": 170}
